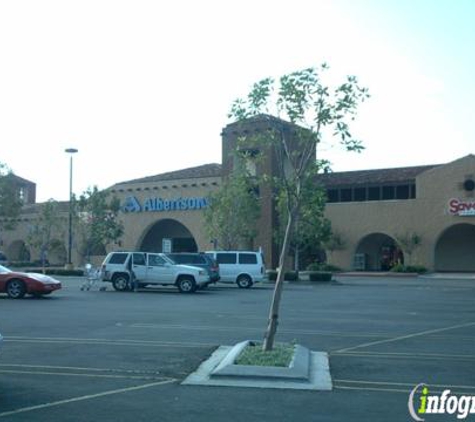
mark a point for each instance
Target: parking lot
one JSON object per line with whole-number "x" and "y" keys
{"x": 110, "y": 356}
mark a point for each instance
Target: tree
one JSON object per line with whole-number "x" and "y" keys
{"x": 409, "y": 243}
{"x": 312, "y": 227}
{"x": 10, "y": 201}
{"x": 232, "y": 212}
{"x": 336, "y": 242}
{"x": 97, "y": 223}
{"x": 47, "y": 230}
{"x": 313, "y": 107}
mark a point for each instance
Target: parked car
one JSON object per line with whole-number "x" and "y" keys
{"x": 1, "y": 341}
{"x": 17, "y": 284}
{"x": 198, "y": 260}
{"x": 241, "y": 267}
{"x": 146, "y": 268}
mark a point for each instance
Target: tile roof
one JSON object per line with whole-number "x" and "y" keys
{"x": 206, "y": 170}
{"x": 370, "y": 177}
{"x": 63, "y": 206}
{"x": 19, "y": 179}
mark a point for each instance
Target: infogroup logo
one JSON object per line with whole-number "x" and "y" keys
{"x": 422, "y": 403}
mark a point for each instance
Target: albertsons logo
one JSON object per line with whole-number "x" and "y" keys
{"x": 131, "y": 205}
{"x": 422, "y": 403}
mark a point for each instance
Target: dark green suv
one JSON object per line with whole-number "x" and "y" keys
{"x": 198, "y": 260}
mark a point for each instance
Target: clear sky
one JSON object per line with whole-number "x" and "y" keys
{"x": 143, "y": 87}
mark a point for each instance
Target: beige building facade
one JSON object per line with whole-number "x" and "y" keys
{"x": 421, "y": 215}
{"x": 374, "y": 211}
{"x": 165, "y": 212}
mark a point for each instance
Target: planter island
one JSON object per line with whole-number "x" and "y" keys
{"x": 307, "y": 370}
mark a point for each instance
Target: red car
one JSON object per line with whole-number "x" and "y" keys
{"x": 16, "y": 285}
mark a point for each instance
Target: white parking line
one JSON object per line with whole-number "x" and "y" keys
{"x": 72, "y": 374}
{"x": 395, "y": 387}
{"x": 77, "y": 368}
{"x": 88, "y": 397}
{"x": 214, "y": 328}
{"x": 402, "y": 384}
{"x": 408, "y": 336}
{"x": 376, "y": 389}
{"x": 395, "y": 355}
{"x": 120, "y": 342}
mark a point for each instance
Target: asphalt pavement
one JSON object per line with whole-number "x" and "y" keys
{"x": 108, "y": 356}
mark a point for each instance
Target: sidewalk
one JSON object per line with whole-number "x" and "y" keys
{"x": 389, "y": 274}
{"x": 451, "y": 276}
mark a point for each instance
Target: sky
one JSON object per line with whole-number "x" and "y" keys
{"x": 144, "y": 87}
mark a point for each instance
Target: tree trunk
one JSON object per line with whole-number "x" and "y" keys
{"x": 297, "y": 259}
{"x": 279, "y": 284}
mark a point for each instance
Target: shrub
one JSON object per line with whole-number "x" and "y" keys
{"x": 401, "y": 268}
{"x": 288, "y": 276}
{"x": 291, "y": 275}
{"x": 419, "y": 269}
{"x": 331, "y": 268}
{"x": 315, "y": 266}
{"x": 56, "y": 271}
{"x": 320, "y": 276}
{"x": 281, "y": 355}
{"x": 21, "y": 264}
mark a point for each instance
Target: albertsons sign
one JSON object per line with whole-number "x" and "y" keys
{"x": 132, "y": 204}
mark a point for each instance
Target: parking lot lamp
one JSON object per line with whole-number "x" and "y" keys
{"x": 70, "y": 151}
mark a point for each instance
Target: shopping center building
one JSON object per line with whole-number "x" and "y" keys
{"x": 429, "y": 209}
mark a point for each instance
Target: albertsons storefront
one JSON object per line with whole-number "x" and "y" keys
{"x": 430, "y": 209}
{"x": 165, "y": 212}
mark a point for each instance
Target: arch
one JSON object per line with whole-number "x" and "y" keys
{"x": 17, "y": 251}
{"x": 455, "y": 249}
{"x": 57, "y": 254}
{"x": 182, "y": 240}
{"x": 377, "y": 252}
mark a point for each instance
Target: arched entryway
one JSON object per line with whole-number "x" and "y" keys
{"x": 377, "y": 252}
{"x": 455, "y": 249}
{"x": 168, "y": 233}
{"x": 17, "y": 251}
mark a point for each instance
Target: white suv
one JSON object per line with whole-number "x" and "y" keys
{"x": 241, "y": 267}
{"x": 144, "y": 268}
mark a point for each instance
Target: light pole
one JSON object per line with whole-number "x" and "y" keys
{"x": 70, "y": 151}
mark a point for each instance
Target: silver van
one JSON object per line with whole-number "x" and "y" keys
{"x": 241, "y": 267}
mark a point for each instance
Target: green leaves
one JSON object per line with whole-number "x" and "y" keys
{"x": 10, "y": 202}
{"x": 97, "y": 220}
{"x": 315, "y": 109}
{"x": 233, "y": 211}
{"x": 48, "y": 230}
{"x": 303, "y": 98}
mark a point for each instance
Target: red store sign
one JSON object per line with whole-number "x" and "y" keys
{"x": 461, "y": 208}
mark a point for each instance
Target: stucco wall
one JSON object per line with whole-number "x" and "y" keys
{"x": 427, "y": 215}
{"x": 137, "y": 224}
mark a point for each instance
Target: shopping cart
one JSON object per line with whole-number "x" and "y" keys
{"x": 93, "y": 276}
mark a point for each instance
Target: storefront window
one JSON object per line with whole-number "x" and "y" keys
{"x": 374, "y": 193}
{"x": 360, "y": 194}
{"x": 402, "y": 192}
{"x": 345, "y": 195}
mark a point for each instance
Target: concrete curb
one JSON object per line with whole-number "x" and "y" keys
{"x": 308, "y": 371}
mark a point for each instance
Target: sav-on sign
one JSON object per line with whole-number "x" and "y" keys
{"x": 461, "y": 208}
{"x": 132, "y": 204}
